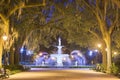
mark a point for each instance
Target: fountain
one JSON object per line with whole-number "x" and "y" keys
{"x": 59, "y": 59}
{"x": 59, "y": 56}
{"x": 77, "y": 58}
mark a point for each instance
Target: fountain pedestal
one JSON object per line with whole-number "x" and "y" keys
{"x": 60, "y": 58}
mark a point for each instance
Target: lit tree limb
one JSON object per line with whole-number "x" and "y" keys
{"x": 3, "y": 18}
{"x": 96, "y": 10}
{"x": 91, "y": 8}
{"x": 57, "y": 7}
{"x": 1, "y": 2}
{"x": 95, "y": 34}
{"x": 117, "y": 2}
{"x": 105, "y": 9}
{"x": 15, "y": 8}
{"x": 114, "y": 23}
{"x": 43, "y": 26}
{"x": 22, "y": 5}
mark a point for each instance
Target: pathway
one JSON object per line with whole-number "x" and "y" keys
{"x": 62, "y": 74}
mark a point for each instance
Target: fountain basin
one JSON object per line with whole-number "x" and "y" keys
{"x": 60, "y": 58}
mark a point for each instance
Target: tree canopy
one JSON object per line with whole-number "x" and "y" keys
{"x": 80, "y": 22}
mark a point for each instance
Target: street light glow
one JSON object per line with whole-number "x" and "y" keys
{"x": 99, "y": 45}
{"x": 115, "y": 53}
{"x": 96, "y": 50}
{"x": 21, "y": 50}
{"x": 90, "y": 53}
{"x": 5, "y": 37}
{"x": 106, "y": 49}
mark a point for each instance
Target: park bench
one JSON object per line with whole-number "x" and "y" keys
{"x": 3, "y": 73}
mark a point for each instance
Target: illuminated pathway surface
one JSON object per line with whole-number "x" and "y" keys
{"x": 62, "y": 74}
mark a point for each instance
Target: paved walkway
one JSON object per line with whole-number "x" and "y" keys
{"x": 62, "y": 74}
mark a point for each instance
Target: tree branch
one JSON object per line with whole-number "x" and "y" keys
{"x": 88, "y": 6}
{"x": 22, "y": 5}
{"x": 59, "y": 9}
{"x": 105, "y": 10}
{"x": 1, "y": 2}
{"x": 114, "y": 23}
{"x": 34, "y": 5}
{"x": 3, "y": 18}
{"x": 95, "y": 34}
{"x": 97, "y": 10}
{"x": 117, "y": 2}
{"x": 101, "y": 18}
{"x": 43, "y": 26}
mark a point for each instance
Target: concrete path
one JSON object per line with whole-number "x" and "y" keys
{"x": 62, "y": 74}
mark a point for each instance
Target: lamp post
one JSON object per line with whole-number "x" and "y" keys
{"x": 5, "y": 38}
{"x": 99, "y": 55}
{"x": 5, "y": 53}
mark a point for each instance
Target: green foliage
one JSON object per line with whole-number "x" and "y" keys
{"x": 78, "y": 30}
{"x": 40, "y": 66}
{"x": 100, "y": 67}
{"x": 73, "y": 27}
{"x": 12, "y": 69}
{"x": 62, "y": 67}
{"x": 115, "y": 69}
{"x": 91, "y": 67}
{"x": 15, "y": 71}
{"x": 116, "y": 39}
{"x": 15, "y": 67}
{"x": 116, "y": 65}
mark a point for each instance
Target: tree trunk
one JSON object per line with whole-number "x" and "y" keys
{"x": 104, "y": 59}
{"x": 109, "y": 53}
{"x": 11, "y": 57}
{"x": 17, "y": 55}
{"x": 1, "y": 51}
{"x": 6, "y": 32}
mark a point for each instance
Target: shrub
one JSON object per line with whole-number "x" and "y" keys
{"x": 15, "y": 67}
{"x": 100, "y": 67}
{"x": 116, "y": 65}
{"x": 115, "y": 69}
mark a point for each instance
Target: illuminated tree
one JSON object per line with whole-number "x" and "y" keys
{"x": 9, "y": 8}
{"x": 107, "y": 17}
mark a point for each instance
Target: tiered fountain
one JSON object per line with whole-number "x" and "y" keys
{"x": 59, "y": 56}
{"x": 59, "y": 59}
